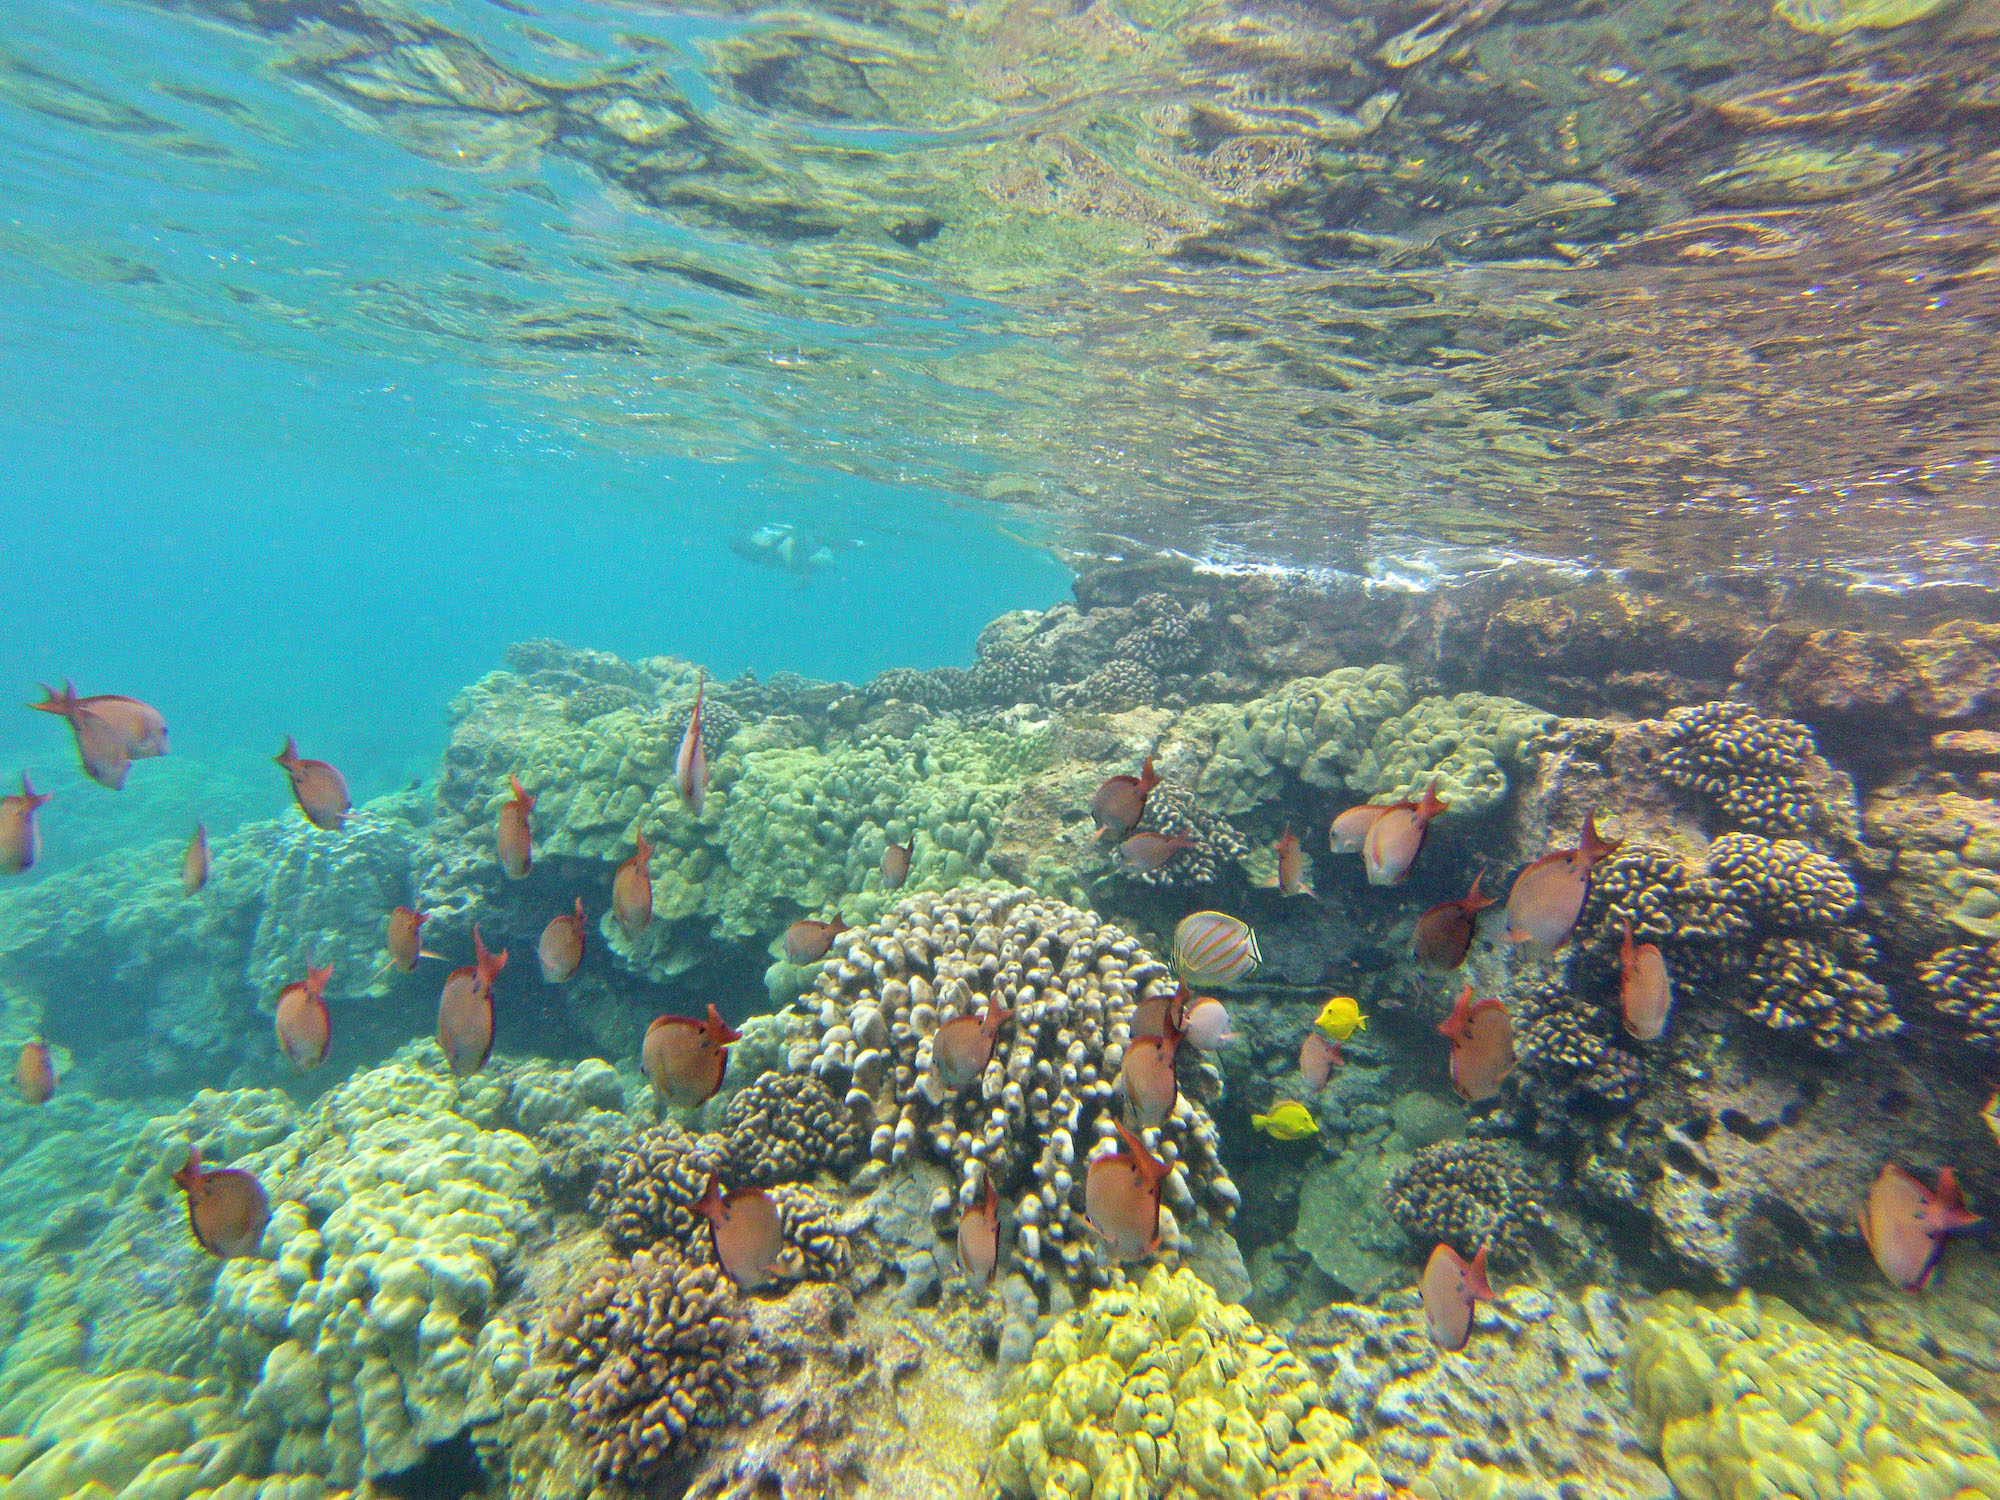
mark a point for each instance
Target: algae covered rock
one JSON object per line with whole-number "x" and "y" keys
{"x": 1159, "y": 1391}
{"x": 1748, "y": 1400}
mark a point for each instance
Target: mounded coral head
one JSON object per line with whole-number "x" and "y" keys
{"x": 1964, "y": 983}
{"x": 782, "y": 1127}
{"x": 1171, "y": 809}
{"x": 1798, "y": 983}
{"x": 719, "y": 723}
{"x": 1161, "y": 1390}
{"x": 1467, "y": 1194}
{"x": 1751, "y": 1399}
{"x": 1571, "y": 1064}
{"x": 1780, "y": 883}
{"x": 649, "y": 1190}
{"x": 1752, "y": 768}
{"x": 1070, "y": 981}
{"x": 651, "y": 1351}
{"x": 1318, "y": 727}
{"x": 1462, "y": 745}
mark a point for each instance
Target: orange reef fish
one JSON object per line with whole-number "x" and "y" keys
{"x": 632, "y": 890}
{"x": 1644, "y": 989}
{"x": 1121, "y": 1198}
{"x": 465, "y": 1010}
{"x": 1444, "y": 933}
{"x": 1143, "y": 853}
{"x": 1482, "y": 1046}
{"x": 111, "y": 732}
{"x": 195, "y": 863}
{"x": 1906, "y": 1224}
{"x": 561, "y": 948}
{"x": 691, "y": 761}
{"x": 979, "y": 1241}
{"x": 227, "y": 1209}
{"x": 406, "y": 938}
{"x": 1206, "y": 1024}
{"x": 964, "y": 1045}
{"x": 20, "y": 837}
{"x": 1318, "y": 1057}
{"x": 896, "y": 865}
{"x": 1397, "y": 837}
{"x": 807, "y": 941}
{"x": 1450, "y": 1288}
{"x": 1349, "y": 831}
{"x": 1548, "y": 896}
{"x": 1120, "y": 802}
{"x": 1291, "y": 864}
{"x": 321, "y": 790}
{"x": 304, "y": 1028}
{"x": 748, "y": 1236}
{"x": 686, "y": 1058}
{"x": 1149, "y": 1016}
{"x": 35, "y": 1073}
{"x": 1147, "y": 1078}
{"x": 517, "y": 852}
{"x": 1211, "y": 947}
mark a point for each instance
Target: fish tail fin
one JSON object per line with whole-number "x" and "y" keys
{"x": 1475, "y": 1277}
{"x": 289, "y": 756}
{"x": 1430, "y": 804}
{"x": 54, "y": 702}
{"x": 1952, "y": 1212}
{"x": 1148, "y": 777}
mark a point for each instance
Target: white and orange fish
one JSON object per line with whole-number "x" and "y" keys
{"x": 1121, "y": 1198}
{"x": 405, "y": 941}
{"x": 808, "y": 941}
{"x": 227, "y": 1209}
{"x": 305, "y": 1029}
{"x": 979, "y": 1241}
{"x": 1120, "y": 803}
{"x": 1906, "y": 1224}
{"x": 35, "y": 1073}
{"x": 1318, "y": 1057}
{"x": 20, "y": 834}
{"x": 691, "y": 760}
{"x": 1291, "y": 865}
{"x": 111, "y": 731}
{"x": 1450, "y": 1289}
{"x": 1548, "y": 895}
{"x": 516, "y": 844}
{"x": 1482, "y": 1046}
{"x": 465, "y": 1010}
{"x": 747, "y": 1233}
{"x": 896, "y": 865}
{"x": 1213, "y": 948}
{"x": 1143, "y": 853}
{"x": 1206, "y": 1024}
{"x": 1147, "y": 1077}
{"x": 561, "y": 948}
{"x": 685, "y": 1058}
{"x": 1348, "y": 832}
{"x": 962, "y": 1047}
{"x": 320, "y": 790}
{"x": 1150, "y": 1017}
{"x": 1397, "y": 837}
{"x": 195, "y": 863}
{"x": 1645, "y": 991}
{"x": 632, "y": 890}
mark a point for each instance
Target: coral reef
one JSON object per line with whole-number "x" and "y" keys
{"x": 1748, "y": 766}
{"x": 1964, "y": 983}
{"x": 1750, "y": 1398}
{"x": 1318, "y": 728}
{"x": 1530, "y": 1407}
{"x": 1069, "y": 980}
{"x": 653, "y": 1350}
{"x": 787, "y": 1127}
{"x": 1159, "y": 1390}
{"x": 1171, "y": 809}
{"x": 648, "y": 1190}
{"x": 1469, "y": 1195}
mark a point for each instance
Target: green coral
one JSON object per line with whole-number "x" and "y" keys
{"x": 1161, "y": 1391}
{"x": 1464, "y": 743}
{"x": 1749, "y": 1400}
{"x": 1316, "y": 727}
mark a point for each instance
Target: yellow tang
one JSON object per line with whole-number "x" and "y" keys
{"x": 1341, "y": 1017}
{"x": 1212, "y": 948}
{"x": 1287, "y": 1121}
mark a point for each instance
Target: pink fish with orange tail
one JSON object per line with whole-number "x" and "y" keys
{"x": 515, "y": 842}
{"x": 20, "y": 835}
{"x": 691, "y": 761}
{"x": 1143, "y": 853}
{"x": 561, "y": 947}
{"x": 963, "y": 1046}
{"x": 320, "y": 790}
{"x": 465, "y": 1010}
{"x": 111, "y": 731}
{"x": 632, "y": 890}
{"x": 979, "y": 1240}
{"x": 1291, "y": 865}
{"x": 1397, "y": 837}
{"x": 747, "y": 1232}
{"x": 304, "y": 1027}
{"x": 227, "y": 1209}
{"x": 1645, "y": 992}
{"x": 1120, "y": 803}
{"x": 35, "y": 1073}
{"x": 685, "y": 1058}
{"x": 1121, "y": 1198}
{"x": 1906, "y": 1224}
{"x": 1147, "y": 1078}
{"x": 1548, "y": 896}
{"x": 1444, "y": 933}
{"x": 1482, "y": 1046}
{"x": 1451, "y": 1288}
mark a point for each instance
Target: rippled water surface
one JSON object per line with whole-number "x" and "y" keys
{"x": 1700, "y": 286}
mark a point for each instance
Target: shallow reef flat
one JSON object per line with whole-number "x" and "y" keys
{"x": 505, "y": 1284}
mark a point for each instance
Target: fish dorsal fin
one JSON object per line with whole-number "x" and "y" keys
{"x": 1475, "y": 1277}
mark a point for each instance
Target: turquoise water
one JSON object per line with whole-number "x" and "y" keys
{"x": 1582, "y": 413}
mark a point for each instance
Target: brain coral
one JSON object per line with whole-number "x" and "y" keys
{"x": 1161, "y": 1391}
{"x": 1464, "y": 743}
{"x": 1749, "y": 1400}
{"x": 1046, "y": 1099}
{"x": 1752, "y": 768}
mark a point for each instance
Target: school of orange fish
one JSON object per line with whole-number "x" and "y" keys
{"x": 1905, "y": 1224}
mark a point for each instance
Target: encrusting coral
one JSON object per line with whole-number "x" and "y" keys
{"x": 1469, "y": 1195}
{"x": 1752, "y": 768}
{"x": 1750, "y": 1399}
{"x": 653, "y": 1350}
{"x": 1046, "y": 1099}
{"x": 1160, "y": 1390}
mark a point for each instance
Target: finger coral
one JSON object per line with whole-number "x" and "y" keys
{"x": 1467, "y": 1194}
{"x": 784, "y": 1127}
{"x": 1749, "y": 766}
{"x": 1964, "y": 983}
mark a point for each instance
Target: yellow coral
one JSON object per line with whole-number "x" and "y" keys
{"x": 1749, "y": 1400}
{"x": 1161, "y": 1392}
